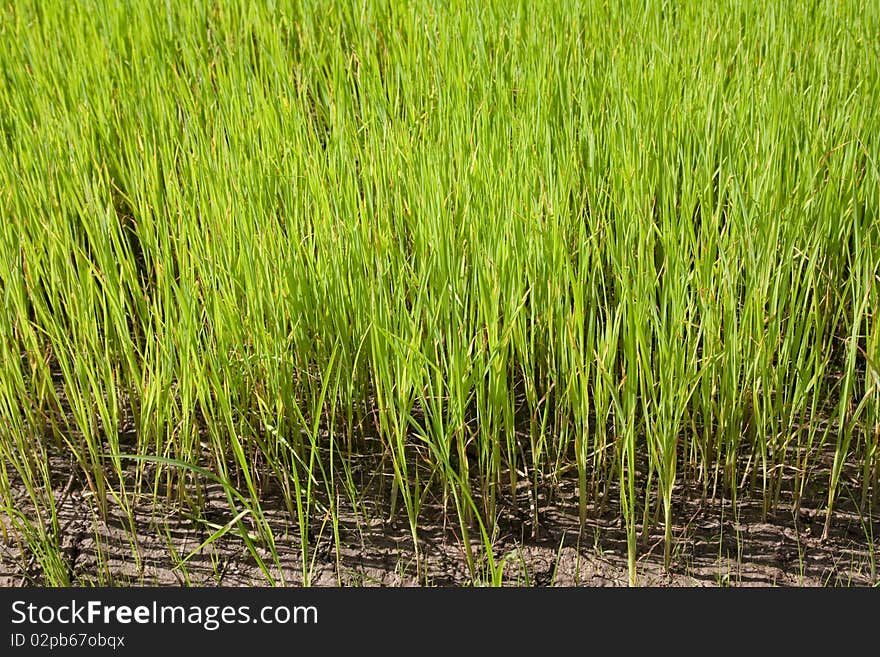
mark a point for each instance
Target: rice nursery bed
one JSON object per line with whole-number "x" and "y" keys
{"x": 459, "y": 293}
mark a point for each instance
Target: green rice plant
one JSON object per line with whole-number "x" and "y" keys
{"x": 486, "y": 246}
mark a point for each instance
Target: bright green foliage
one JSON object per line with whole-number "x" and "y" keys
{"x": 485, "y": 240}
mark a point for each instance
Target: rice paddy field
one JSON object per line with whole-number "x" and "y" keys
{"x": 463, "y": 293}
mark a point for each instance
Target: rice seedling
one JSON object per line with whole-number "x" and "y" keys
{"x": 489, "y": 249}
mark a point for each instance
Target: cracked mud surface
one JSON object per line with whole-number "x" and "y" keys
{"x": 713, "y": 544}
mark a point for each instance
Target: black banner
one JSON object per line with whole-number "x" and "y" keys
{"x": 393, "y": 621}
